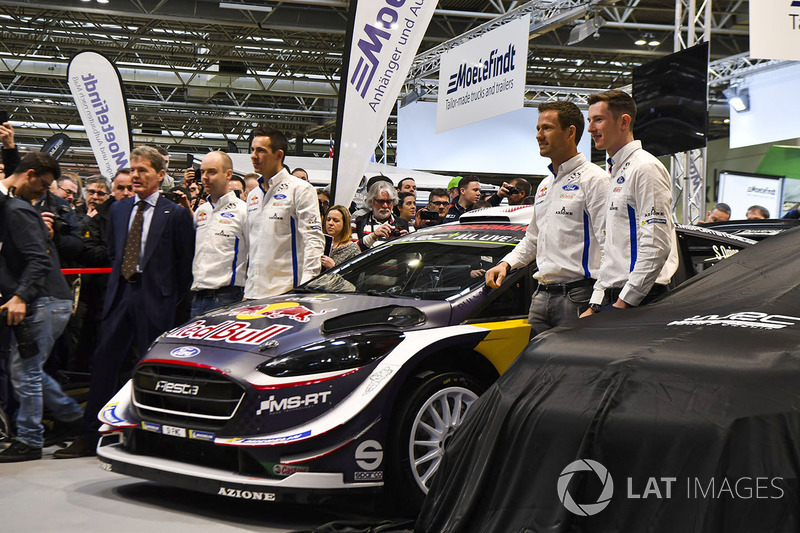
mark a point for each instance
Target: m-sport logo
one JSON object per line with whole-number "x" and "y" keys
{"x": 744, "y": 319}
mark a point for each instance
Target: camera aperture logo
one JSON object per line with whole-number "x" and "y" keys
{"x": 585, "y": 509}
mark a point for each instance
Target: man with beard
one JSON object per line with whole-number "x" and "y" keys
{"x": 380, "y": 225}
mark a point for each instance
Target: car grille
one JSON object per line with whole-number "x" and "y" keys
{"x": 185, "y": 395}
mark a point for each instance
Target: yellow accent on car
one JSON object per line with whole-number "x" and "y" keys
{"x": 505, "y": 341}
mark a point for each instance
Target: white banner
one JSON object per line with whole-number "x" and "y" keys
{"x": 741, "y": 191}
{"x": 484, "y": 77}
{"x": 775, "y": 29}
{"x": 97, "y": 89}
{"x": 386, "y": 37}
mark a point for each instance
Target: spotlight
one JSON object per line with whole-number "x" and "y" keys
{"x": 586, "y": 29}
{"x": 739, "y": 99}
{"x": 640, "y": 42}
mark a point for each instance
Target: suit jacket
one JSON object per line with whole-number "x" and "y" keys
{"x": 167, "y": 262}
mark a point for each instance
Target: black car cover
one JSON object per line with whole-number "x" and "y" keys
{"x": 678, "y": 416}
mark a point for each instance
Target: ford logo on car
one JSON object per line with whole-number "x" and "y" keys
{"x": 185, "y": 352}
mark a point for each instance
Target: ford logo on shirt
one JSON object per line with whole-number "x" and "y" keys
{"x": 228, "y": 215}
{"x": 621, "y": 179}
{"x": 280, "y": 197}
{"x": 571, "y": 187}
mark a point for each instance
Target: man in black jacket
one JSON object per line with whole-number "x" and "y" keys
{"x": 36, "y": 296}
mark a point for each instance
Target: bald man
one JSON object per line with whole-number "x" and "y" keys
{"x": 220, "y": 257}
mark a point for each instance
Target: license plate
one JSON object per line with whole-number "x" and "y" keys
{"x": 172, "y": 430}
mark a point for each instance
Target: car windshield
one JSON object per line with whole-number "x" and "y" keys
{"x": 424, "y": 270}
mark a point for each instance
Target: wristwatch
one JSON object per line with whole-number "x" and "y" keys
{"x": 595, "y": 307}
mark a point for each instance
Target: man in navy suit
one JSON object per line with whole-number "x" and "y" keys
{"x": 151, "y": 246}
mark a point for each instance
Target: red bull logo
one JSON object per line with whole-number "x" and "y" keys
{"x": 293, "y": 310}
{"x": 228, "y": 331}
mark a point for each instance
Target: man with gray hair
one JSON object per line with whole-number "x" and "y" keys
{"x": 151, "y": 246}
{"x": 380, "y": 225}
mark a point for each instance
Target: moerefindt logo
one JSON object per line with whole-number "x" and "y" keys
{"x": 483, "y": 70}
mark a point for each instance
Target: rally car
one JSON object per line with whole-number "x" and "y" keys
{"x": 354, "y": 381}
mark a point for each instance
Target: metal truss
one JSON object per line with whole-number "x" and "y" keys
{"x": 545, "y": 16}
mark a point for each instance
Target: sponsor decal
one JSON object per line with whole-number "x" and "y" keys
{"x": 228, "y": 331}
{"x": 742, "y": 319}
{"x": 585, "y": 509}
{"x": 621, "y": 180}
{"x": 226, "y": 222}
{"x": 280, "y": 197}
{"x": 172, "y": 387}
{"x": 654, "y": 221}
{"x": 227, "y": 215}
{"x": 288, "y": 470}
{"x": 149, "y": 426}
{"x": 612, "y": 207}
{"x": 654, "y": 213}
{"x": 369, "y": 455}
{"x": 570, "y": 187}
{"x": 722, "y": 252}
{"x": 292, "y": 310}
{"x": 253, "y": 200}
{"x": 110, "y": 414}
{"x": 368, "y": 476}
{"x": 541, "y": 193}
{"x": 565, "y": 196}
{"x": 275, "y": 216}
{"x": 185, "y": 352}
{"x": 202, "y": 216}
{"x": 221, "y": 233}
{"x": 201, "y": 435}
{"x": 617, "y": 189}
{"x": 563, "y": 212}
{"x": 376, "y": 379}
{"x": 246, "y": 494}
{"x": 293, "y": 403}
{"x": 281, "y": 187}
{"x": 273, "y": 440}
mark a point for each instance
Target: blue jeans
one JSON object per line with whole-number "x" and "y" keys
{"x": 224, "y": 296}
{"x": 47, "y": 318}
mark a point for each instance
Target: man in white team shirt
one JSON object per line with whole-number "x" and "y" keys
{"x": 283, "y": 221}
{"x": 565, "y": 234}
{"x": 220, "y": 251}
{"x": 640, "y": 253}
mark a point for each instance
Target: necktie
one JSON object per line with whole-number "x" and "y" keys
{"x": 130, "y": 257}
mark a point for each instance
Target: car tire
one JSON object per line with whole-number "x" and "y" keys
{"x": 428, "y": 412}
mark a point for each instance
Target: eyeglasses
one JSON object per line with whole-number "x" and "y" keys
{"x": 67, "y": 191}
{"x": 384, "y": 202}
{"x": 440, "y": 204}
{"x": 96, "y": 192}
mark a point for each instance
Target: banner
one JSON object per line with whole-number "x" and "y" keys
{"x": 775, "y": 29}
{"x": 57, "y": 145}
{"x": 484, "y": 77}
{"x": 384, "y": 37}
{"x": 96, "y": 86}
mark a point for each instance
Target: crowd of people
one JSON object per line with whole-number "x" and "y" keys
{"x": 178, "y": 248}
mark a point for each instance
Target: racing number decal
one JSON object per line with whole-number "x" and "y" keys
{"x": 369, "y": 455}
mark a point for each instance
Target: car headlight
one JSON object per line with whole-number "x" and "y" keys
{"x": 333, "y": 354}
{"x": 397, "y": 316}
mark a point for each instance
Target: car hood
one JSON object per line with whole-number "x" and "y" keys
{"x": 272, "y": 326}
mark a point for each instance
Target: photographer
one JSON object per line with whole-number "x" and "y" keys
{"x": 380, "y": 225}
{"x": 62, "y": 225}
{"x": 435, "y": 211}
{"x": 515, "y": 192}
{"x": 36, "y": 307}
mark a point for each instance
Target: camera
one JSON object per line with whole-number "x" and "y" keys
{"x": 512, "y": 190}
{"x": 428, "y": 215}
{"x": 171, "y": 196}
{"x": 26, "y": 343}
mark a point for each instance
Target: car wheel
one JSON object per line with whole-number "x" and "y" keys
{"x": 423, "y": 424}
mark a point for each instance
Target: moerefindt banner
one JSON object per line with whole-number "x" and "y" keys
{"x": 484, "y": 77}
{"x": 385, "y": 37}
{"x": 775, "y": 29}
{"x": 96, "y": 87}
